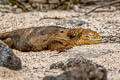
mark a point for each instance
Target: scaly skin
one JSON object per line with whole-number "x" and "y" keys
{"x": 49, "y": 38}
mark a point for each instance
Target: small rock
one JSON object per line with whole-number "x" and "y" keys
{"x": 8, "y": 58}
{"x": 76, "y": 8}
{"x": 78, "y": 69}
{"x": 73, "y": 21}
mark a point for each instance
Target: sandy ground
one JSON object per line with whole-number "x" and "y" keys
{"x": 35, "y": 65}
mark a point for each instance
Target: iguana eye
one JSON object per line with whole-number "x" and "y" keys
{"x": 90, "y": 35}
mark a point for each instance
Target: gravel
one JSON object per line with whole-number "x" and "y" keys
{"x": 36, "y": 64}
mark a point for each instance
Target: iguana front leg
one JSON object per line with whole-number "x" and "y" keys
{"x": 58, "y": 45}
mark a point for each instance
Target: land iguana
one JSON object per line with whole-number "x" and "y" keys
{"x": 49, "y": 38}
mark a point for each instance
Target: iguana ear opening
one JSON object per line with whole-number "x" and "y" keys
{"x": 77, "y": 32}
{"x": 71, "y": 34}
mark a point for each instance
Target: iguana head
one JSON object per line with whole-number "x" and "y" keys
{"x": 89, "y": 37}
{"x": 80, "y": 36}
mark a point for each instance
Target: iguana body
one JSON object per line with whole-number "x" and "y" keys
{"x": 49, "y": 38}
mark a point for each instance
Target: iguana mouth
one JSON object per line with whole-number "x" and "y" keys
{"x": 93, "y": 40}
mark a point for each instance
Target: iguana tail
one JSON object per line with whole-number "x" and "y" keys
{"x": 6, "y": 38}
{"x": 4, "y": 35}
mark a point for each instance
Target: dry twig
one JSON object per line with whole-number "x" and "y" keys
{"x": 100, "y": 6}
